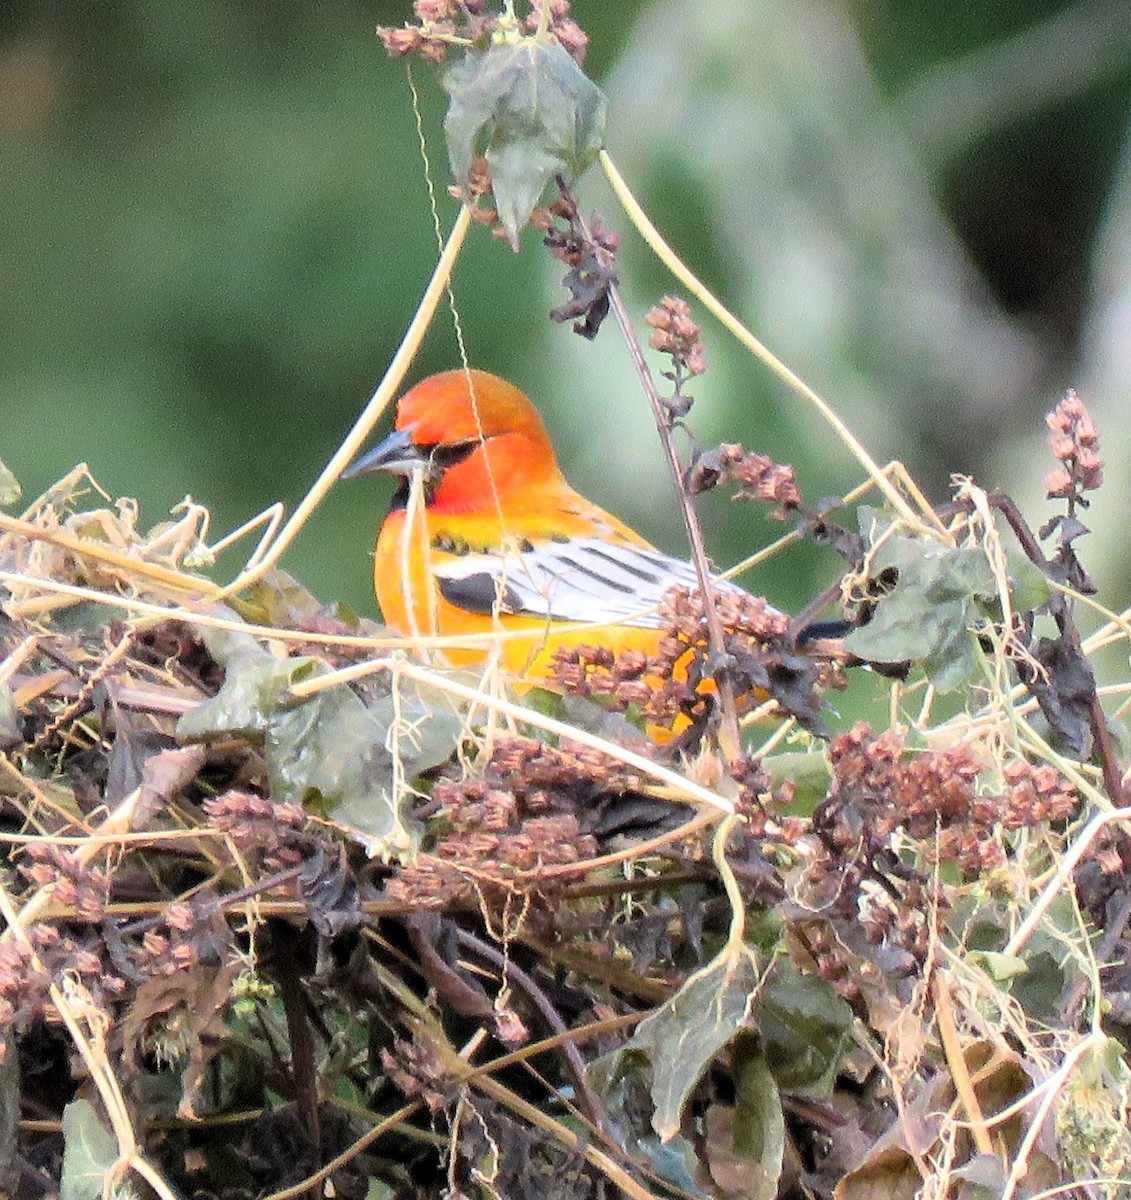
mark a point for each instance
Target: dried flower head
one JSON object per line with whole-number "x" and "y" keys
{"x": 1075, "y": 443}
{"x": 399, "y": 42}
{"x": 442, "y": 24}
{"x": 673, "y": 688}
{"x": 561, "y": 26}
{"x": 504, "y": 830}
{"x": 675, "y": 333}
{"x": 758, "y": 477}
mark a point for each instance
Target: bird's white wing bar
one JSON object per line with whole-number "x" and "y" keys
{"x": 584, "y": 579}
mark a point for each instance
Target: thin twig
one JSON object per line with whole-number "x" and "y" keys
{"x": 728, "y": 734}
{"x": 1112, "y": 934}
{"x": 311, "y": 1182}
{"x": 959, "y": 1072}
{"x": 575, "y": 1064}
{"x": 303, "y": 1074}
{"x": 1061, "y": 878}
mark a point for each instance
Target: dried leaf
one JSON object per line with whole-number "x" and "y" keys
{"x": 179, "y": 1021}
{"x": 1065, "y": 688}
{"x": 1001, "y": 1078}
{"x": 533, "y": 110}
{"x": 329, "y": 890}
{"x": 163, "y": 776}
{"x": 10, "y": 733}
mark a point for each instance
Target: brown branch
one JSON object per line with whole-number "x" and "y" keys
{"x": 519, "y": 978}
{"x": 288, "y": 979}
{"x": 728, "y": 735}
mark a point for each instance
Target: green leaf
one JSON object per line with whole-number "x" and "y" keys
{"x": 808, "y": 773}
{"x": 622, "y": 1080}
{"x": 277, "y": 599}
{"x": 255, "y": 689}
{"x": 1028, "y": 584}
{"x": 1001, "y": 968}
{"x": 805, "y": 1028}
{"x": 89, "y": 1151}
{"x": 940, "y": 597}
{"x": 9, "y": 1104}
{"x": 352, "y": 759}
{"x": 759, "y": 1123}
{"x": 535, "y": 114}
{"x": 682, "y": 1036}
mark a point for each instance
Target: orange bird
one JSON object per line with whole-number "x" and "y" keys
{"x": 497, "y": 541}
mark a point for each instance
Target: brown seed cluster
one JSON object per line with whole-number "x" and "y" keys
{"x": 179, "y": 941}
{"x": 412, "y": 1068}
{"x": 1075, "y": 443}
{"x": 675, "y": 684}
{"x": 441, "y": 24}
{"x": 562, "y": 27}
{"x": 543, "y": 766}
{"x": 934, "y": 790}
{"x": 270, "y": 835}
{"x": 625, "y": 680}
{"x": 833, "y": 961}
{"x": 506, "y": 827}
{"x": 27, "y": 972}
{"x": 758, "y": 477}
{"x": 1038, "y": 794}
{"x": 479, "y": 188}
{"x": 110, "y": 958}
{"x": 675, "y": 333}
{"x": 755, "y": 785}
{"x": 899, "y": 921}
{"x": 880, "y": 789}
{"x": 77, "y": 886}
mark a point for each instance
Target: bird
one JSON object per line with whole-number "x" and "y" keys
{"x": 496, "y": 546}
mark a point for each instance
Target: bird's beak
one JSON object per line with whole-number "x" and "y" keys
{"x": 396, "y": 454}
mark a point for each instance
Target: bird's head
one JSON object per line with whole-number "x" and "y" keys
{"x": 474, "y": 437}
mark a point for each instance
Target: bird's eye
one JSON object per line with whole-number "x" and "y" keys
{"x": 449, "y": 454}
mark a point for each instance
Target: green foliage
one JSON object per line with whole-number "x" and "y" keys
{"x": 686, "y": 1033}
{"x": 784, "y": 1029}
{"x": 10, "y": 490}
{"x": 90, "y": 1150}
{"x": 805, "y": 1029}
{"x": 350, "y": 759}
{"x": 941, "y": 599}
{"x": 759, "y": 1123}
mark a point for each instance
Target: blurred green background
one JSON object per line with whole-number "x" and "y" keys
{"x": 214, "y": 227}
